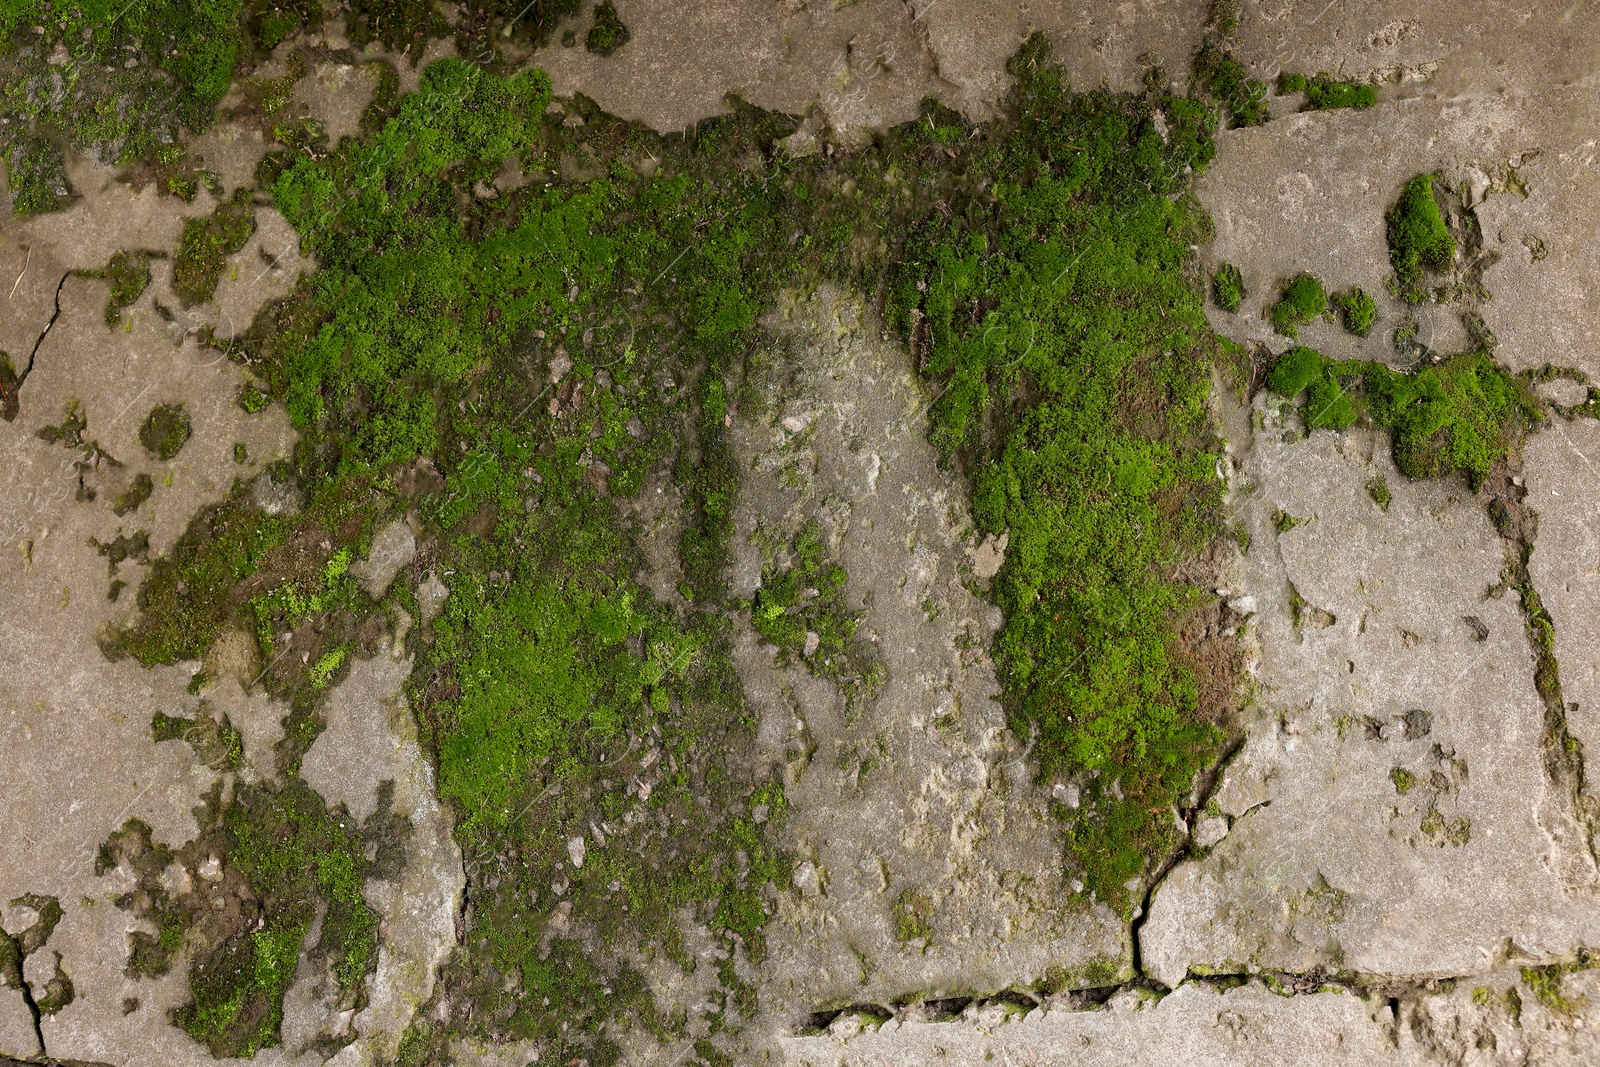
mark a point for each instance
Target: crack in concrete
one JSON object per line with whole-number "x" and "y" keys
{"x": 14, "y": 952}
{"x": 11, "y": 390}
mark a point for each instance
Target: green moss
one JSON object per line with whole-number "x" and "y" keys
{"x": 36, "y": 171}
{"x": 121, "y": 78}
{"x": 1283, "y": 522}
{"x": 1303, "y": 300}
{"x": 1227, "y": 287}
{"x": 1294, "y": 370}
{"x": 545, "y": 350}
{"x": 1403, "y": 780}
{"x": 216, "y": 742}
{"x": 1418, "y": 237}
{"x": 607, "y": 33}
{"x": 801, "y": 609}
{"x": 1291, "y": 82}
{"x": 913, "y": 916}
{"x": 1545, "y": 983}
{"x": 1220, "y": 75}
{"x": 1324, "y": 93}
{"x": 207, "y": 243}
{"x": 1357, "y": 310}
{"x": 1378, "y": 490}
{"x": 165, "y": 430}
{"x": 1463, "y": 414}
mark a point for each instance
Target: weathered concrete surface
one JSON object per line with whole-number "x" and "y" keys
{"x": 921, "y": 789}
{"x": 370, "y": 740}
{"x": 1390, "y": 810}
{"x": 861, "y": 65}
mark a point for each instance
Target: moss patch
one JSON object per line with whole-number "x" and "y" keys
{"x": 165, "y": 430}
{"x": 1221, "y": 76}
{"x": 1357, "y": 310}
{"x": 1227, "y": 287}
{"x": 1418, "y": 237}
{"x": 1302, "y": 300}
{"x": 801, "y": 609}
{"x": 206, "y": 245}
{"x": 1463, "y": 414}
{"x": 607, "y": 33}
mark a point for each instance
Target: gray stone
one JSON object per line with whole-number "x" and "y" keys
{"x": 393, "y": 547}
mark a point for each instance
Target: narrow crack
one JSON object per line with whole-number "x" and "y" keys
{"x": 22, "y": 376}
{"x": 11, "y": 379}
{"x": 11, "y": 970}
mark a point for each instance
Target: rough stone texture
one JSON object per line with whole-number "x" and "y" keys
{"x": 393, "y": 547}
{"x": 922, "y": 789}
{"x": 1336, "y": 859}
{"x": 17, "y": 1035}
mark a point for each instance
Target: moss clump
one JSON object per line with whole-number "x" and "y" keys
{"x": 206, "y": 245}
{"x": 129, "y": 275}
{"x": 253, "y": 398}
{"x": 801, "y": 609}
{"x": 913, "y": 916}
{"x": 1463, "y": 414}
{"x": 1297, "y": 368}
{"x": 1324, "y": 93}
{"x": 1224, "y": 78}
{"x": 1418, "y": 237}
{"x": 1357, "y": 310}
{"x": 1545, "y": 983}
{"x": 1378, "y": 490}
{"x": 1227, "y": 287}
{"x": 136, "y": 494}
{"x": 216, "y": 741}
{"x": 1403, "y": 780}
{"x": 36, "y": 170}
{"x": 165, "y": 430}
{"x": 606, "y": 33}
{"x": 1303, "y": 299}
{"x": 1291, "y": 82}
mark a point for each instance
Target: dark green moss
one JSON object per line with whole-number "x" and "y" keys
{"x": 1357, "y": 310}
{"x": 1418, "y": 237}
{"x": 1291, "y": 82}
{"x": 606, "y": 33}
{"x": 165, "y": 430}
{"x": 1378, "y": 490}
{"x": 1303, "y": 299}
{"x": 36, "y": 171}
{"x": 136, "y": 494}
{"x": 134, "y": 77}
{"x": 1227, "y": 287}
{"x": 206, "y": 245}
{"x": 1222, "y": 77}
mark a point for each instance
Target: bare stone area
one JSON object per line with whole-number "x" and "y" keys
{"x": 1390, "y": 812}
